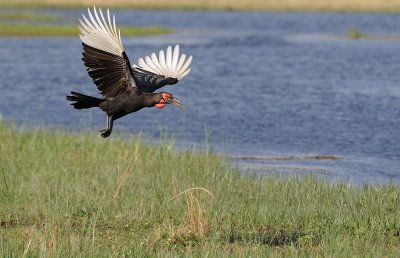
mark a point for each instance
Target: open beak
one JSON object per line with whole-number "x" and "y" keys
{"x": 174, "y": 101}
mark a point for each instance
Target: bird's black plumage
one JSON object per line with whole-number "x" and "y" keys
{"x": 125, "y": 89}
{"x": 112, "y": 74}
{"x": 150, "y": 82}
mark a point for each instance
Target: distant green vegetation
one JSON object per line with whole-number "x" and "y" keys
{"x": 355, "y": 33}
{"x": 28, "y": 16}
{"x": 77, "y": 195}
{"x": 37, "y": 30}
{"x": 34, "y": 29}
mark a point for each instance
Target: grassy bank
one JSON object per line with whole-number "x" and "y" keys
{"x": 29, "y": 17}
{"x": 8, "y": 27}
{"x": 36, "y": 30}
{"x": 259, "y": 5}
{"x": 69, "y": 195}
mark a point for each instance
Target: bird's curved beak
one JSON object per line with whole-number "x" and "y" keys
{"x": 174, "y": 101}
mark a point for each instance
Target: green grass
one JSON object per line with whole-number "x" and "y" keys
{"x": 77, "y": 195}
{"x": 35, "y": 30}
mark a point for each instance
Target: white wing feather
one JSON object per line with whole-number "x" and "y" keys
{"x": 181, "y": 61}
{"x": 168, "y": 65}
{"x": 95, "y": 32}
{"x": 164, "y": 69}
{"x": 143, "y": 64}
{"x": 155, "y": 61}
{"x": 175, "y": 58}
{"x": 183, "y": 71}
{"x": 169, "y": 58}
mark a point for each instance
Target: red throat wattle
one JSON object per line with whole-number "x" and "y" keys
{"x": 165, "y": 98}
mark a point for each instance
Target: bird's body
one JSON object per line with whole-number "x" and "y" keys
{"x": 126, "y": 89}
{"x": 129, "y": 102}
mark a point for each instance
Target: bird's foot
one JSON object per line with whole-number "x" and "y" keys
{"x": 105, "y": 132}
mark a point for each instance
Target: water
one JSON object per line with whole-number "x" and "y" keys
{"x": 262, "y": 84}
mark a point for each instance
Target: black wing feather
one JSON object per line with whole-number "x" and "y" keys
{"x": 150, "y": 82}
{"x": 111, "y": 73}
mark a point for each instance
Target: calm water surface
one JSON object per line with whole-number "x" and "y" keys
{"x": 263, "y": 84}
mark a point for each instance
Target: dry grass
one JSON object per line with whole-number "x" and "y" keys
{"x": 197, "y": 218}
{"x": 266, "y": 5}
{"x": 120, "y": 180}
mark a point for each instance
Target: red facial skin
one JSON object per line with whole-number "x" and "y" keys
{"x": 162, "y": 102}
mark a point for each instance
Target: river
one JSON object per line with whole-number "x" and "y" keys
{"x": 286, "y": 88}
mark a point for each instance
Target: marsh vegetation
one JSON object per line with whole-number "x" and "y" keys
{"x": 73, "y": 194}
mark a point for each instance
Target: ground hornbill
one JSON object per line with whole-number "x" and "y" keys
{"x": 125, "y": 88}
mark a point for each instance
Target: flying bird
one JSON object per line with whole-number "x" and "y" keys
{"x": 125, "y": 88}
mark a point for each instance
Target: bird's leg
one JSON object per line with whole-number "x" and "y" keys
{"x": 107, "y": 131}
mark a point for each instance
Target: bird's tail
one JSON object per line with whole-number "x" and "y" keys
{"x": 83, "y": 101}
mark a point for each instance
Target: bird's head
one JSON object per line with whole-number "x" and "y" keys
{"x": 168, "y": 98}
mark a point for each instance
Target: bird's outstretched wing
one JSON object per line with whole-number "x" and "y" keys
{"x": 104, "y": 56}
{"x": 154, "y": 72}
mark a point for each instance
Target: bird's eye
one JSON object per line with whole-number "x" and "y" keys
{"x": 166, "y": 96}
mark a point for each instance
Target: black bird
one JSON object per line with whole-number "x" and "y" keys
{"x": 125, "y": 88}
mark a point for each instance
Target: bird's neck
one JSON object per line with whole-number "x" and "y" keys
{"x": 150, "y": 99}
